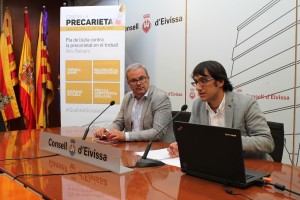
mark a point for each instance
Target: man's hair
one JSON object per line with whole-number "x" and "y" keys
{"x": 134, "y": 67}
{"x": 216, "y": 70}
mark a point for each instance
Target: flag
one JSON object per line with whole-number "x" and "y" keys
{"x": 44, "y": 85}
{"x": 2, "y": 124}
{"x": 7, "y": 28}
{"x": 8, "y": 102}
{"x": 8, "y": 73}
{"x": 26, "y": 78}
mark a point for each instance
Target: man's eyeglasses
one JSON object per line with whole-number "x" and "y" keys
{"x": 141, "y": 79}
{"x": 202, "y": 81}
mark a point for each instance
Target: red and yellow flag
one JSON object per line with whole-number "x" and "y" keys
{"x": 44, "y": 85}
{"x": 8, "y": 102}
{"x": 26, "y": 78}
{"x": 7, "y": 28}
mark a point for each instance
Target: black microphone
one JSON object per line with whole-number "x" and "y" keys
{"x": 88, "y": 128}
{"x": 147, "y": 162}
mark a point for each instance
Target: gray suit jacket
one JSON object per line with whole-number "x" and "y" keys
{"x": 156, "y": 113}
{"x": 241, "y": 112}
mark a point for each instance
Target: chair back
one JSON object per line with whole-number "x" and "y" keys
{"x": 183, "y": 116}
{"x": 277, "y": 132}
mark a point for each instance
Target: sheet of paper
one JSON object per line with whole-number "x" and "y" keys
{"x": 162, "y": 155}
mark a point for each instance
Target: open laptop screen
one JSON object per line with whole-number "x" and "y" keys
{"x": 211, "y": 152}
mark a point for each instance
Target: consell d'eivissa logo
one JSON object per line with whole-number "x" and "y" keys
{"x": 86, "y": 151}
{"x": 270, "y": 96}
{"x": 72, "y": 148}
{"x": 147, "y": 25}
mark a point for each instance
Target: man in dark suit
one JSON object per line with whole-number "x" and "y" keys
{"x": 144, "y": 111}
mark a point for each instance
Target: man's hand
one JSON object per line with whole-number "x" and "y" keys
{"x": 116, "y": 136}
{"x": 110, "y": 135}
{"x": 173, "y": 150}
{"x": 101, "y": 133}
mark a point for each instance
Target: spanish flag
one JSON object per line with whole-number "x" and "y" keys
{"x": 8, "y": 102}
{"x": 7, "y": 28}
{"x": 44, "y": 85}
{"x": 26, "y": 78}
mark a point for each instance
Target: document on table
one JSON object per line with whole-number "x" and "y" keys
{"x": 162, "y": 155}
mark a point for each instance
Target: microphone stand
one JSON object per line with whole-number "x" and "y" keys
{"x": 148, "y": 162}
{"x": 88, "y": 128}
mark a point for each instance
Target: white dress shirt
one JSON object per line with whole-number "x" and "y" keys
{"x": 137, "y": 109}
{"x": 218, "y": 118}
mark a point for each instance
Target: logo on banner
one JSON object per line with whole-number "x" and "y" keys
{"x": 72, "y": 148}
{"x": 271, "y": 97}
{"x": 146, "y": 26}
{"x": 192, "y": 94}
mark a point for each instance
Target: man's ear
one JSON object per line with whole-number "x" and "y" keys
{"x": 220, "y": 84}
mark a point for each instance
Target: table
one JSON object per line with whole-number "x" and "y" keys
{"x": 164, "y": 182}
{"x": 10, "y": 189}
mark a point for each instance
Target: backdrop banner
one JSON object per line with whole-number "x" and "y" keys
{"x": 92, "y": 54}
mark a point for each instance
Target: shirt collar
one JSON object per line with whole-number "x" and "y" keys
{"x": 145, "y": 95}
{"x": 221, "y": 106}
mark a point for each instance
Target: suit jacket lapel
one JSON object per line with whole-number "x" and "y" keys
{"x": 204, "y": 115}
{"x": 128, "y": 120}
{"x": 228, "y": 109}
{"x": 146, "y": 104}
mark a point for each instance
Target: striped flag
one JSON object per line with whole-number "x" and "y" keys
{"x": 26, "y": 78}
{"x": 8, "y": 102}
{"x": 7, "y": 28}
{"x": 44, "y": 85}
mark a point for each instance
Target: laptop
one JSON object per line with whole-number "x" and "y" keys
{"x": 213, "y": 153}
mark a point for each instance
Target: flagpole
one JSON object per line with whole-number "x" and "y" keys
{"x": 1, "y": 11}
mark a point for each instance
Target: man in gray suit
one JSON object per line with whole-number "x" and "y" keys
{"x": 144, "y": 111}
{"x": 218, "y": 105}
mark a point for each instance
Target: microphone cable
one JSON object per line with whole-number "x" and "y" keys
{"x": 146, "y": 162}
{"x": 267, "y": 181}
{"x": 59, "y": 174}
{"x": 156, "y": 188}
{"x": 29, "y": 158}
{"x": 229, "y": 191}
